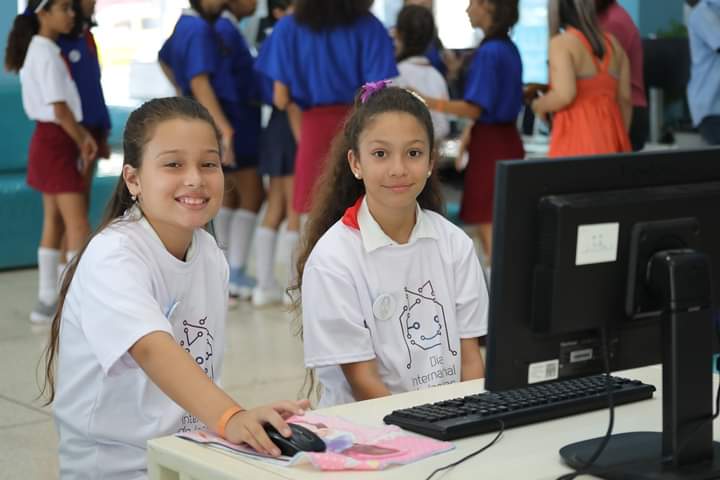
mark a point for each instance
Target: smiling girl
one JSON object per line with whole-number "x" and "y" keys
{"x": 136, "y": 347}
{"x": 393, "y": 298}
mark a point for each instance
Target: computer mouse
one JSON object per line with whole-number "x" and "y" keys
{"x": 301, "y": 440}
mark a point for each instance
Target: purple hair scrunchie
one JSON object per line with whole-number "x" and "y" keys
{"x": 371, "y": 88}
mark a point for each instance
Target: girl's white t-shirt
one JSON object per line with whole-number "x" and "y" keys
{"x": 45, "y": 79}
{"x": 407, "y": 306}
{"x": 128, "y": 285}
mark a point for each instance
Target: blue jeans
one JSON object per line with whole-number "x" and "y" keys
{"x": 710, "y": 129}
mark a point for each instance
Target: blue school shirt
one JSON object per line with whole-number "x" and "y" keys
{"x": 244, "y": 112}
{"x": 265, "y": 83}
{"x": 704, "y": 86}
{"x": 494, "y": 81}
{"x": 195, "y": 48}
{"x": 81, "y": 54}
{"x": 328, "y": 66}
{"x": 433, "y": 55}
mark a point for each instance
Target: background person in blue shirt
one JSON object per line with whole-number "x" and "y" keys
{"x": 244, "y": 194}
{"x": 277, "y": 161}
{"x": 704, "y": 87}
{"x": 493, "y": 99}
{"x": 317, "y": 58}
{"x": 80, "y": 52}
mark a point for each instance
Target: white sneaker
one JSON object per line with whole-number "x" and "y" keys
{"x": 263, "y": 297}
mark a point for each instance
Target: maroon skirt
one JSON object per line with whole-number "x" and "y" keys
{"x": 319, "y": 127}
{"x": 54, "y": 161}
{"x": 489, "y": 143}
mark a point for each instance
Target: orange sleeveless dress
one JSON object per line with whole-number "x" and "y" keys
{"x": 592, "y": 124}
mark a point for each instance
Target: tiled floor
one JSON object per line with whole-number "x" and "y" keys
{"x": 263, "y": 362}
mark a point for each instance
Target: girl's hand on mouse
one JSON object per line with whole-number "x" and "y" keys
{"x": 248, "y": 426}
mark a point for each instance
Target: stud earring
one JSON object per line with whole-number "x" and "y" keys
{"x": 133, "y": 198}
{"x": 357, "y": 175}
{"x": 429, "y": 173}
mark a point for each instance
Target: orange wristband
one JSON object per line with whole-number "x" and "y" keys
{"x": 440, "y": 105}
{"x": 225, "y": 418}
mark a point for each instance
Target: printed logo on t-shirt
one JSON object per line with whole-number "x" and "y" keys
{"x": 423, "y": 322}
{"x": 198, "y": 342}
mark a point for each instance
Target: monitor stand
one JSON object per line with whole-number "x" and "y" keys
{"x": 685, "y": 448}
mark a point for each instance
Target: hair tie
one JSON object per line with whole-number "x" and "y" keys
{"x": 33, "y": 11}
{"x": 371, "y": 88}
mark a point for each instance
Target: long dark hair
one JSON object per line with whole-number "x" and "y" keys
{"x": 81, "y": 21}
{"x": 319, "y": 14}
{"x": 23, "y": 29}
{"x": 602, "y": 5}
{"x": 505, "y": 15}
{"x": 579, "y": 14}
{"x": 337, "y": 188}
{"x": 138, "y": 131}
{"x": 415, "y": 27}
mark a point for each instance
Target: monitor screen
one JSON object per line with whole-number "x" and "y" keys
{"x": 572, "y": 240}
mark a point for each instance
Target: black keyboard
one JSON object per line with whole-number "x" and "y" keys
{"x": 476, "y": 414}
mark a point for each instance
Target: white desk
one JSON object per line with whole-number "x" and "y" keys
{"x": 529, "y": 452}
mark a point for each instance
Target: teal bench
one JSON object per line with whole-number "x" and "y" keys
{"x": 20, "y": 206}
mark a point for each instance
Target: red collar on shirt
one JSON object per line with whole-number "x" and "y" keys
{"x": 350, "y": 218}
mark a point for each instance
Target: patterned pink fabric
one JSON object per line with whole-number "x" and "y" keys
{"x": 349, "y": 446}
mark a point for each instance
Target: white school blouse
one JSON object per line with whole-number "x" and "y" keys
{"x": 45, "y": 79}
{"x": 128, "y": 285}
{"x": 407, "y": 306}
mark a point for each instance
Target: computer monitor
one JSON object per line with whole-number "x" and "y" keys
{"x": 620, "y": 248}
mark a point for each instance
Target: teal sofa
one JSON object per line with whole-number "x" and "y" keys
{"x": 20, "y": 206}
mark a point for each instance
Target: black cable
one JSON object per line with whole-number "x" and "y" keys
{"x": 705, "y": 421}
{"x": 584, "y": 469}
{"x": 476, "y": 452}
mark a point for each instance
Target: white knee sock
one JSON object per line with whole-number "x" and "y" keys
{"x": 69, "y": 255}
{"x": 265, "y": 241}
{"x": 289, "y": 244}
{"x": 242, "y": 225}
{"x": 221, "y": 224}
{"x": 48, "y": 261}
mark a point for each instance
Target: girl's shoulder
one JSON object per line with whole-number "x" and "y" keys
{"x": 335, "y": 247}
{"x": 451, "y": 237}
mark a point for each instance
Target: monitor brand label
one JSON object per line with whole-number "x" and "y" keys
{"x": 597, "y": 243}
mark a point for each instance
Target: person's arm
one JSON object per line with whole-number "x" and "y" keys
{"x": 283, "y": 101}
{"x": 281, "y": 95}
{"x": 170, "y": 76}
{"x": 562, "y": 72}
{"x": 473, "y": 366}
{"x": 624, "y": 86}
{"x": 204, "y": 93}
{"x": 180, "y": 378}
{"x": 83, "y": 139}
{"x": 364, "y": 380}
{"x": 461, "y": 108}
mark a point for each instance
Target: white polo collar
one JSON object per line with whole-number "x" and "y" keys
{"x": 373, "y": 236}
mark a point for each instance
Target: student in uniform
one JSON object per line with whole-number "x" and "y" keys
{"x": 50, "y": 97}
{"x": 80, "y": 52}
{"x": 414, "y": 30}
{"x": 493, "y": 99}
{"x": 197, "y": 60}
{"x": 393, "y": 296}
{"x": 137, "y": 343}
{"x": 244, "y": 193}
{"x": 277, "y": 161}
{"x": 318, "y": 57}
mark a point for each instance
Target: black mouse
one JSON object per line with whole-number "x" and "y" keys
{"x": 301, "y": 440}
